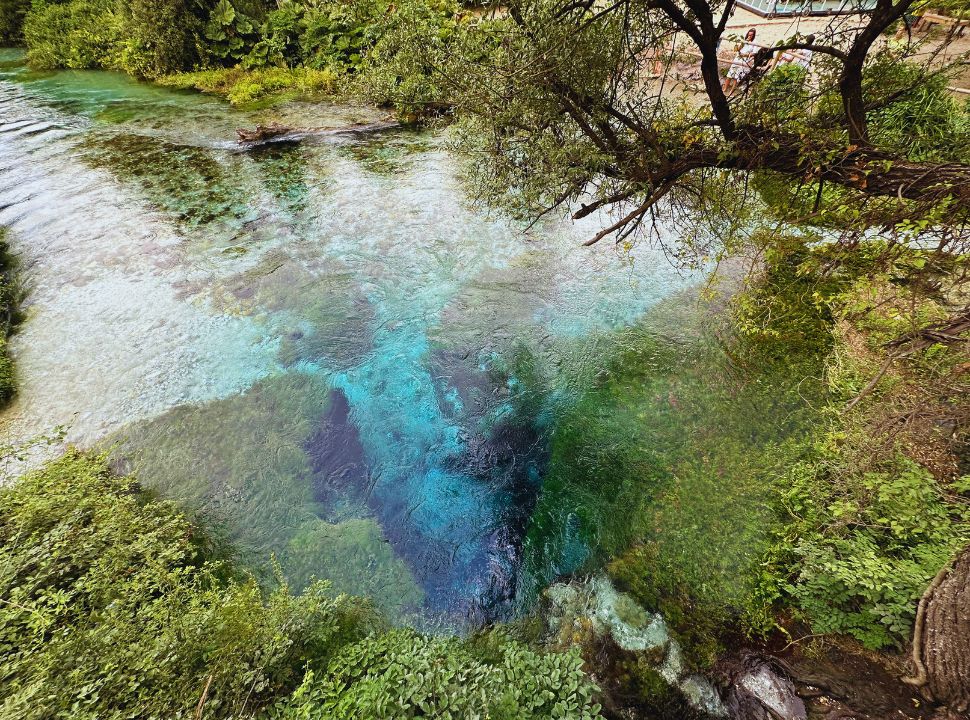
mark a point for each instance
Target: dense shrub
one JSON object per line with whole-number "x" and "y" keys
{"x": 156, "y": 38}
{"x": 297, "y": 47}
{"x": 871, "y": 516}
{"x": 12, "y": 13}
{"x": 229, "y": 34}
{"x": 868, "y": 545}
{"x": 865, "y": 516}
{"x": 405, "y": 675}
{"x": 112, "y": 604}
{"x": 78, "y": 34}
{"x": 923, "y": 121}
{"x": 406, "y": 66}
{"x": 115, "y": 604}
{"x": 336, "y": 34}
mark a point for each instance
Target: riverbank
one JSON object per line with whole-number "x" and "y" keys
{"x": 151, "y": 613}
{"x": 248, "y": 51}
{"x": 9, "y": 317}
{"x": 272, "y": 85}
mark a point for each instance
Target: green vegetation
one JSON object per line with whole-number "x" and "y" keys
{"x": 584, "y": 131}
{"x": 71, "y": 35}
{"x": 250, "y": 50}
{"x": 878, "y": 505}
{"x": 816, "y": 485}
{"x": 665, "y": 467}
{"x": 244, "y": 459}
{"x": 723, "y": 482}
{"x": 240, "y": 86}
{"x": 9, "y": 317}
{"x": 817, "y": 481}
{"x": 12, "y": 14}
{"x": 402, "y": 674}
{"x": 115, "y": 603}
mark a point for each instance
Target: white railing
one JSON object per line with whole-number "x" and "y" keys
{"x": 806, "y": 7}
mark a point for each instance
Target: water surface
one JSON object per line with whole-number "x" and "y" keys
{"x": 317, "y": 343}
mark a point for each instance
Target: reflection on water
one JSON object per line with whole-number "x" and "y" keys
{"x": 310, "y": 341}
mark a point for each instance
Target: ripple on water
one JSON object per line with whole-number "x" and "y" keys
{"x": 310, "y": 341}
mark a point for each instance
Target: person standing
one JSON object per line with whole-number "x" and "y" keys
{"x": 743, "y": 61}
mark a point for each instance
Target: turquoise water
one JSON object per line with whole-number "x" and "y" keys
{"x": 315, "y": 342}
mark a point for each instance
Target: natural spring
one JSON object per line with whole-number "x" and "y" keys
{"x": 317, "y": 343}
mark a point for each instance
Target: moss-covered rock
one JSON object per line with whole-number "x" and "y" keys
{"x": 630, "y": 647}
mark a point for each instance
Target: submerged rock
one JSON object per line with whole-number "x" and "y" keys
{"x": 276, "y": 131}
{"x": 591, "y": 611}
{"x": 262, "y": 133}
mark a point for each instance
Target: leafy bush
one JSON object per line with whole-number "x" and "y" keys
{"x": 405, "y": 675}
{"x": 865, "y": 524}
{"x": 405, "y": 66}
{"x": 279, "y": 44}
{"x": 332, "y": 35}
{"x": 12, "y": 13}
{"x": 335, "y": 34}
{"x": 156, "y": 36}
{"x": 922, "y": 120}
{"x": 78, "y": 34}
{"x": 779, "y": 99}
{"x": 113, "y": 603}
{"x": 867, "y": 546}
{"x": 229, "y": 33}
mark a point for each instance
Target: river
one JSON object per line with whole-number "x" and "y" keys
{"x": 319, "y": 344}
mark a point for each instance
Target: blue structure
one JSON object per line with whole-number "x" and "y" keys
{"x": 771, "y": 8}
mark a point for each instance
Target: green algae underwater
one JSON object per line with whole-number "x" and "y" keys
{"x": 326, "y": 349}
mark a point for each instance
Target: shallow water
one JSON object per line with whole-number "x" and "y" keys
{"x": 314, "y": 342}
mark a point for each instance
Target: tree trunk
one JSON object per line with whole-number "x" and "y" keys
{"x": 868, "y": 171}
{"x": 941, "y": 640}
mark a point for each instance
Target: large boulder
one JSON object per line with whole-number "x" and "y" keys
{"x": 756, "y": 687}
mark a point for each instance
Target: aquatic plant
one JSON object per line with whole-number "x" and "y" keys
{"x": 244, "y": 461}
{"x": 663, "y": 456}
